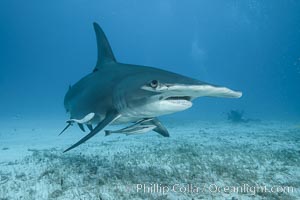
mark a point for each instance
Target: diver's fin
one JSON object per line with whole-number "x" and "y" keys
{"x": 90, "y": 127}
{"x": 69, "y": 124}
{"x": 159, "y": 127}
{"x": 105, "y": 53}
{"x": 110, "y": 117}
{"x": 81, "y": 127}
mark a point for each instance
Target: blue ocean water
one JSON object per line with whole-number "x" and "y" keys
{"x": 252, "y": 46}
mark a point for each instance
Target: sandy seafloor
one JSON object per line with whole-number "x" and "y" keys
{"x": 199, "y": 155}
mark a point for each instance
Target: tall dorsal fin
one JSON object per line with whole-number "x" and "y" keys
{"x": 105, "y": 53}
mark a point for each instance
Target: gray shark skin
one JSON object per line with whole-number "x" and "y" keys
{"x": 117, "y": 93}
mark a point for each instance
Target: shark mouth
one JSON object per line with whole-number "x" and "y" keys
{"x": 186, "y": 98}
{"x": 180, "y": 100}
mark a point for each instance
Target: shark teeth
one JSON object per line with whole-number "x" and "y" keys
{"x": 180, "y": 101}
{"x": 187, "y": 98}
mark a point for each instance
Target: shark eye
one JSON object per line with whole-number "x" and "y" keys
{"x": 154, "y": 83}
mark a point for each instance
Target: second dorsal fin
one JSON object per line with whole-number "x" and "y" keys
{"x": 105, "y": 53}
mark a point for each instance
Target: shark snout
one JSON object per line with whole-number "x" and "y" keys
{"x": 201, "y": 90}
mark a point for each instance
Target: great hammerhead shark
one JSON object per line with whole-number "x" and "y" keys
{"x": 117, "y": 93}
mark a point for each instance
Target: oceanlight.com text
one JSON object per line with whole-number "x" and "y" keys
{"x": 211, "y": 188}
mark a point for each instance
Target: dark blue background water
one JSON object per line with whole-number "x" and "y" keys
{"x": 252, "y": 46}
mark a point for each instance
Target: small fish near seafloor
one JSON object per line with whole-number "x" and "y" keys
{"x": 132, "y": 130}
{"x": 117, "y": 93}
{"x": 142, "y": 126}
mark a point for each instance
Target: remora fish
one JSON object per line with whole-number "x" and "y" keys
{"x": 131, "y": 130}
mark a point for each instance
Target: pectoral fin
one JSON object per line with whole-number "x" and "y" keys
{"x": 159, "y": 127}
{"x": 110, "y": 117}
